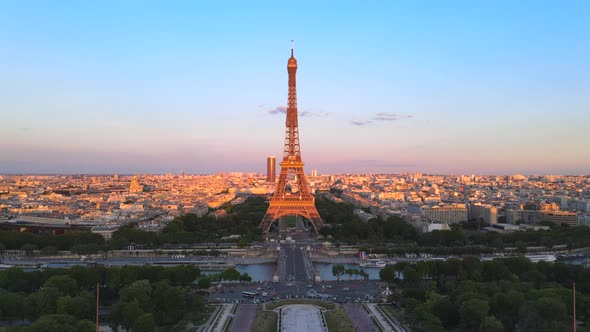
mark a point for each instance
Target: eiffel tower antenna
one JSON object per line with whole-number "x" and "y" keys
{"x": 285, "y": 203}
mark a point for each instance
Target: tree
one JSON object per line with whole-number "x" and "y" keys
{"x": 41, "y": 303}
{"x": 81, "y": 307}
{"x": 60, "y": 323}
{"x": 410, "y": 274}
{"x": 145, "y": 323}
{"x": 520, "y": 247}
{"x": 245, "y": 277}
{"x": 491, "y": 324}
{"x": 364, "y": 274}
{"x": 472, "y": 313}
{"x": 28, "y": 248}
{"x": 130, "y": 313}
{"x": 447, "y": 312}
{"x": 136, "y": 293}
{"x": 168, "y": 303}
{"x": 49, "y": 250}
{"x": 387, "y": 274}
{"x": 63, "y": 283}
{"x": 551, "y": 308}
{"x": 338, "y": 270}
{"x": 204, "y": 283}
{"x": 230, "y": 274}
{"x": 11, "y": 305}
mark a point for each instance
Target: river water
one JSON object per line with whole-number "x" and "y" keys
{"x": 264, "y": 272}
{"x": 325, "y": 270}
{"x": 258, "y": 272}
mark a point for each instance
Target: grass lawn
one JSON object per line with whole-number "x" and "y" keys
{"x": 266, "y": 321}
{"x": 203, "y": 316}
{"x": 338, "y": 321}
{"x": 290, "y": 221}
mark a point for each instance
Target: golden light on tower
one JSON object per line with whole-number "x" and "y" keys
{"x": 284, "y": 202}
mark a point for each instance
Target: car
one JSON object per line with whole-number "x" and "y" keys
{"x": 345, "y": 288}
{"x": 309, "y": 286}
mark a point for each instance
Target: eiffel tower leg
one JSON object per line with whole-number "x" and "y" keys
{"x": 267, "y": 221}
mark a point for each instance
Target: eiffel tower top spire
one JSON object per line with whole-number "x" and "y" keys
{"x": 292, "y": 149}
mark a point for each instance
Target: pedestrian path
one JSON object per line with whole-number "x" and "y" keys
{"x": 384, "y": 322}
{"x": 221, "y": 319}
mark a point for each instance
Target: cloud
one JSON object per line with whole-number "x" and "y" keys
{"x": 384, "y": 116}
{"x": 310, "y": 114}
{"x": 283, "y": 110}
{"x": 360, "y": 123}
{"x": 277, "y": 110}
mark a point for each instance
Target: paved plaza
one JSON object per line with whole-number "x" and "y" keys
{"x": 301, "y": 317}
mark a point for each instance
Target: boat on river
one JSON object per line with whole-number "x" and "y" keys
{"x": 378, "y": 263}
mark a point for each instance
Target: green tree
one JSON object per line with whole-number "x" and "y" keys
{"x": 81, "y": 307}
{"x": 491, "y": 324}
{"x": 28, "y": 248}
{"x": 49, "y": 250}
{"x": 338, "y": 270}
{"x": 131, "y": 311}
{"x": 447, "y": 312}
{"x": 11, "y": 305}
{"x": 41, "y": 303}
{"x": 387, "y": 274}
{"x": 230, "y": 274}
{"x": 145, "y": 323}
{"x": 551, "y": 308}
{"x": 472, "y": 313}
{"x": 63, "y": 283}
{"x": 60, "y": 323}
{"x": 168, "y": 303}
{"x": 136, "y": 293}
{"x": 204, "y": 283}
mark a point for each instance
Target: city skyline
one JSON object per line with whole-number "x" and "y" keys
{"x": 454, "y": 88}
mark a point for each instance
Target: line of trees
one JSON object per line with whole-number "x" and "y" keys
{"x": 492, "y": 296}
{"x": 139, "y": 298}
{"x": 338, "y": 270}
{"x": 242, "y": 219}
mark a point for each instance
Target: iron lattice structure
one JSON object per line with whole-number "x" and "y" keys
{"x": 283, "y": 202}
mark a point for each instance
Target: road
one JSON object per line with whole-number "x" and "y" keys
{"x": 243, "y": 318}
{"x": 294, "y": 264}
{"x": 361, "y": 320}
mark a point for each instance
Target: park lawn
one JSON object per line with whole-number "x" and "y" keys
{"x": 265, "y": 321}
{"x": 338, "y": 320}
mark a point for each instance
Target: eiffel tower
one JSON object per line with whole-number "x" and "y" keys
{"x": 287, "y": 201}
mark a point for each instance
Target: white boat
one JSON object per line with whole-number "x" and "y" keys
{"x": 5, "y": 266}
{"x": 541, "y": 258}
{"x": 373, "y": 263}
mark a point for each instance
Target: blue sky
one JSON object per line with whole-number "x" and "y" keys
{"x": 482, "y": 87}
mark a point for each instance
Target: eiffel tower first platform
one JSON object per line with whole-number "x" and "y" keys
{"x": 286, "y": 201}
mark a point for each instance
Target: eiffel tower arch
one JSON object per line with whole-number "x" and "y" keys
{"x": 286, "y": 202}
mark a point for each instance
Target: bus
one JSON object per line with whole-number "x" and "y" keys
{"x": 248, "y": 294}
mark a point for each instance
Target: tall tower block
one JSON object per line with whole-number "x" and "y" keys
{"x": 271, "y": 169}
{"x": 297, "y": 199}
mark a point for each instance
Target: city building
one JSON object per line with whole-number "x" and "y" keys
{"x": 447, "y": 214}
{"x": 485, "y": 213}
{"x": 271, "y": 171}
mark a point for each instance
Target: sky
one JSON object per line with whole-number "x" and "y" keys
{"x": 443, "y": 87}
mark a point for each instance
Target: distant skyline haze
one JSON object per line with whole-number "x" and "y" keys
{"x": 454, "y": 87}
